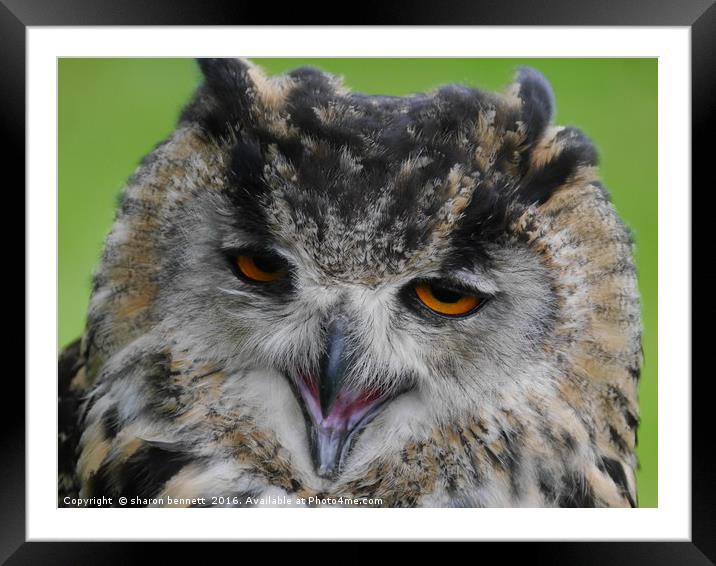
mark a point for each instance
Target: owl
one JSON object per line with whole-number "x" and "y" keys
{"x": 315, "y": 296}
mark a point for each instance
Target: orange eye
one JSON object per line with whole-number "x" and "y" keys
{"x": 261, "y": 269}
{"x": 446, "y": 301}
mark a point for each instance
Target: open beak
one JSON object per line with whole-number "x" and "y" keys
{"x": 335, "y": 412}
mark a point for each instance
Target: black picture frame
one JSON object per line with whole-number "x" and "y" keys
{"x": 699, "y": 15}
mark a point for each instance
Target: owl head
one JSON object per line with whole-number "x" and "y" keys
{"x": 365, "y": 269}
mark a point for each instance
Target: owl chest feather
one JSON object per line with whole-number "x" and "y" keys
{"x": 196, "y": 439}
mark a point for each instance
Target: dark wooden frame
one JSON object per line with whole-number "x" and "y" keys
{"x": 699, "y": 15}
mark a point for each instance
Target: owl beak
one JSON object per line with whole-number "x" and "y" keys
{"x": 333, "y": 365}
{"x": 334, "y": 410}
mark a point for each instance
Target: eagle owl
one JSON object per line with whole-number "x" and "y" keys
{"x": 329, "y": 296}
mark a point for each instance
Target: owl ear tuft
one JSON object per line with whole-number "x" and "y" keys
{"x": 537, "y": 98}
{"x": 226, "y": 74}
{"x": 227, "y": 96}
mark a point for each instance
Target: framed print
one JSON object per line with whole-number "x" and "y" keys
{"x": 399, "y": 282}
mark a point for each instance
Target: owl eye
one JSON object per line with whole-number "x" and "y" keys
{"x": 261, "y": 268}
{"x": 447, "y": 301}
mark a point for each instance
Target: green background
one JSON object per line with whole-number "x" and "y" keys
{"x": 113, "y": 111}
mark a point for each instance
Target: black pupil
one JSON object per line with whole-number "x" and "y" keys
{"x": 269, "y": 264}
{"x": 446, "y": 295}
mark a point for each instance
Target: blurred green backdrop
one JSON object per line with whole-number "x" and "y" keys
{"x": 113, "y": 111}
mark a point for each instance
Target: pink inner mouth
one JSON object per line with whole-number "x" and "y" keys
{"x": 348, "y": 410}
